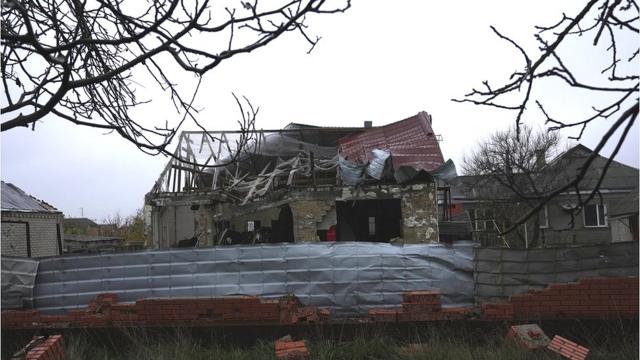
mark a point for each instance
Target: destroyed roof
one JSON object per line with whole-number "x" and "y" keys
{"x": 300, "y": 154}
{"x": 411, "y": 142}
{"x": 14, "y": 199}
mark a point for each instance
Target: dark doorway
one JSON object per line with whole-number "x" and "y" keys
{"x": 283, "y": 227}
{"x": 368, "y": 220}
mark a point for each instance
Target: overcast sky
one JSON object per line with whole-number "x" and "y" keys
{"x": 375, "y": 62}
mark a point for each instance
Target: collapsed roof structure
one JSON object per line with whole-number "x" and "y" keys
{"x": 300, "y": 183}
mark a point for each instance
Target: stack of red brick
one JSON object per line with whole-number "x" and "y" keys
{"x": 419, "y": 306}
{"x": 497, "y": 311}
{"x": 45, "y": 348}
{"x": 592, "y": 298}
{"x": 292, "y": 311}
{"x": 105, "y": 311}
{"x": 568, "y": 348}
{"x": 291, "y": 350}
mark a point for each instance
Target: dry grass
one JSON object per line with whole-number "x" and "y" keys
{"x": 606, "y": 341}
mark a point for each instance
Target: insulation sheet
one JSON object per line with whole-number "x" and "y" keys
{"x": 348, "y": 277}
{"x": 18, "y": 279}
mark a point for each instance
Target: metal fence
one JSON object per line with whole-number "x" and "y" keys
{"x": 501, "y": 272}
{"x": 347, "y": 277}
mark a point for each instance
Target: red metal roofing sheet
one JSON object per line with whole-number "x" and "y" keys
{"x": 411, "y": 142}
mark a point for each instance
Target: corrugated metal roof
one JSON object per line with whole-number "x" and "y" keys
{"x": 411, "y": 142}
{"x": 14, "y": 199}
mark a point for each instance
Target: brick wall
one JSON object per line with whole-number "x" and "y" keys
{"x": 14, "y": 238}
{"x": 592, "y": 298}
{"x": 42, "y": 232}
{"x": 106, "y": 311}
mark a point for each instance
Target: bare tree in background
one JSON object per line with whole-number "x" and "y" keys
{"x": 512, "y": 175}
{"x": 75, "y": 59}
{"x": 607, "y": 23}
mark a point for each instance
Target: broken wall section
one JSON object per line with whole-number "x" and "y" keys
{"x": 311, "y": 216}
{"x": 420, "y": 214}
{"x": 376, "y": 213}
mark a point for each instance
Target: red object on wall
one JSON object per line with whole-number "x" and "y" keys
{"x": 331, "y": 233}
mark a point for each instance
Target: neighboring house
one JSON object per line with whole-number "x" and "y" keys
{"x": 92, "y": 243}
{"x": 611, "y": 216}
{"x": 623, "y": 219}
{"x": 30, "y": 227}
{"x": 300, "y": 184}
{"x": 85, "y": 226}
{"x": 78, "y": 225}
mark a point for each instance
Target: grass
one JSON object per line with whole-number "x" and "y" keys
{"x": 434, "y": 341}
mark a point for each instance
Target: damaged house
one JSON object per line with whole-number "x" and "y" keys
{"x": 300, "y": 184}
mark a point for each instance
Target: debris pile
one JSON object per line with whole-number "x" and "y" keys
{"x": 42, "y": 348}
{"x": 288, "y": 349}
{"x": 568, "y": 348}
{"x": 529, "y": 336}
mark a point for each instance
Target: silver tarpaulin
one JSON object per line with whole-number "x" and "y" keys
{"x": 18, "y": 279}
{"x": 347, "y": 277}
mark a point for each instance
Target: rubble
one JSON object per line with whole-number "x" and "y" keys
{"x": 42, "y": 348}
{"x": 529, "y": 336}
{"x": 568, "y": 348}
{"x": 288, "y": 349}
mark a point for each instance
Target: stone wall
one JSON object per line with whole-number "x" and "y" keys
{"x": 419, "y": 213}
{"x": 313, "y": 209}
{"x": 42, "y": 230}
{"x": 307, "y": 216}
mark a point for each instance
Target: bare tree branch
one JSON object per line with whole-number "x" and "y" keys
{"x": 611, "y": 21}
{"x": 77, "y": 60}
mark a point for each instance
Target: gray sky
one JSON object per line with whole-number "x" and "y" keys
{"x": 375, "y": 62}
